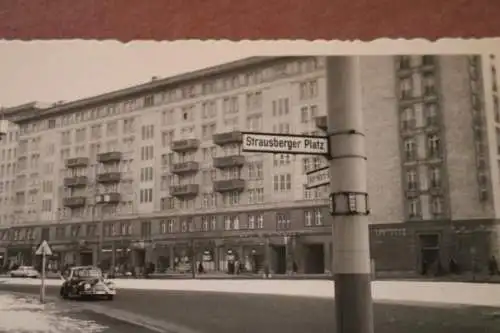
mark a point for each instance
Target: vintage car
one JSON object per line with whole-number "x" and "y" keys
{"x": 86, "y": 281}
{"x": 25, "y": 271}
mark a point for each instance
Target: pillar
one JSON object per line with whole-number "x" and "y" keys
{"x": 217, "y": 250}
{"x": 351, "y": 250}
{"x": 171, "y": 256}
{"x": 113, "y": 254}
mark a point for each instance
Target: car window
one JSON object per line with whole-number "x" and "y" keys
{"x": 87, "y": 273}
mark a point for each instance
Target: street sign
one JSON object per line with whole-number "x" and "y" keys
{"x": 44, "y": 249}
{"x": 284, "y": 143}
{"x": 318, "y": 177}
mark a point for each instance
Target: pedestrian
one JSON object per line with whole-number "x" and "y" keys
{"x": 294, "y": 267}
{"x": 266, "y": 271}
{"x": 493, "y": 266}
{"x": 201, "y": 269}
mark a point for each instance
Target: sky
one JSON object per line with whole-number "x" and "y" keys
{"x": 54, "y": 71}
{"x": 51, "y": 71}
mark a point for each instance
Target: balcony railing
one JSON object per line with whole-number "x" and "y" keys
{"x": 228, "y": 137}
{"x": 184, "y": 190}
{"x": 74, "y": 202}
{"x": 109, "y": 157}
{"x": 229, "y": 185}
{"x": 109, "y": 177}
{"x": 185, "y": 167}
{"x": 185, "y": 145}
{"x": 77, "y": 181}
{"x": 108, "y": 198}
{"x": 229, "y": 161}
{"x": 77, "y": 162}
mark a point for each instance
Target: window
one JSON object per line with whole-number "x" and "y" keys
{"x": 408, "y": 120}
{"x": 431, "y": 114}
{"x": 282, "y": 182}
{"x": 208, "y": 110}
{"x": 147, "y": 153}
{"x": 428, "y": 82}
{"x": 146, "y": 229}
{"x": 411, "y": 180}
{"x": 318, "y": 217}
{"x": 255, "y": 221}
{"x": 434, "y": 146}
{"x": 405, "y": 88}
{"x": 308, "y": 89}
{"x": 414, "y": 208}
{"x": 436, "y": 205}
{"x": 254, "y": 122}
{"x": 410, "y": 148}
{"x": 404, "y": 62}
{"x": 231, "y": 198}
{"x": 149, "y": 100}
{"x": 255, "y": 196}
{"x": 187, "y": 113}
{"x": 95, "y": 132}
{"x": 230, "y": 105}
{"x": 231, "y": 223}
{"x": 147, "y": 132}
{"x": 112, "y": 128}
{"x": 146, "y": 195}
{"x": 255, "y": 171}
{"x": 308, "y": 218}
{"x": 128, "y": 125}
{"x": 208, "y": 130}
{"x": 282, "y": 221}
{"x": 147, "y": 174}
{"x": 435, "y": 176}
{"x": 254, "y": 100}
{"x": 167, "y": 137}
{"x": 281, "y": 107}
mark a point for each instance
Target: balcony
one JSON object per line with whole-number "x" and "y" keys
{"x": 229, "y": 185}
{"x": 74, "y": 202}
{"x": 184, "y": 190}
{"x": 77, "y": 181}
{"x": 229, "y": 161}
{"x": 185, "y": 145}
{"x": 77, "y": 162}
{"x": 185, "y": 167}
{"x": 109, "y": 157}
{"x": 108, "y": 198}
{"x": 321, "y": 123}
{"x": 228, "y": 137}
{"x": 109, "y": 177}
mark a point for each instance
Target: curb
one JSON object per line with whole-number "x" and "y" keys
{"x": 150, "y": 324}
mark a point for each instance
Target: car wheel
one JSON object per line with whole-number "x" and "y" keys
{"x": 110, "y": 297}
{"x": 12, "y": 275}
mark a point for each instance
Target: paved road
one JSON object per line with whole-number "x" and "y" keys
{"x": 226, "y": 313}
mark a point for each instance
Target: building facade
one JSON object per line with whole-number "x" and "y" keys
{"x": 155, "y": 173}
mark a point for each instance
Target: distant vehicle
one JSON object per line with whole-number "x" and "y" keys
{"x": 26, "y": 272}
{"x": 86, "y": 281}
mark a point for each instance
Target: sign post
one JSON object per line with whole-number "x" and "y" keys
{"x": 284, "y": 143}
{"x": 349, "y": 198}
{"x": 44, "y": 251}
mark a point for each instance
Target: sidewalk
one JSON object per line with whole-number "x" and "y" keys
{"x": 24, "y": 314}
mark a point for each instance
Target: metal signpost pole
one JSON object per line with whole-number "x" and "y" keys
{"x": 42, "y": 288}
{"x": 349, "y": 205}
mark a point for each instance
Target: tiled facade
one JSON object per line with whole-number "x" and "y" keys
{"x": 160, "y": 164}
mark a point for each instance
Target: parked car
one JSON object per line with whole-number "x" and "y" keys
{"x": 86, "y": 281}
{"x": 26, "y": 272}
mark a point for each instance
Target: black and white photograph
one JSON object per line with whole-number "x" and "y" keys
{"x": 197, "y": 187}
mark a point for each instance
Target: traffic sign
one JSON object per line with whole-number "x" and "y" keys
{"x": 44, "y": 249}
{"x": 284, "y": 143}
{"x": 318, "y": 177}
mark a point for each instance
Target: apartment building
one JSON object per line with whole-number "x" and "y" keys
{"x": 157, "y": 169}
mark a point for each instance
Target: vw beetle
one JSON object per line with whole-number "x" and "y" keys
{"x": 86, "y": 281}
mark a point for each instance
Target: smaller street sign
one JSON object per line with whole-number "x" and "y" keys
{"x": 318, "y": 177}
{"x": 284, "y": 143}
{"x": 44, "y": 249}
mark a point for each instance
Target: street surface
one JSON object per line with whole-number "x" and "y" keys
{"x": 25, "y": 314}
{"x": 212, "y": 312}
